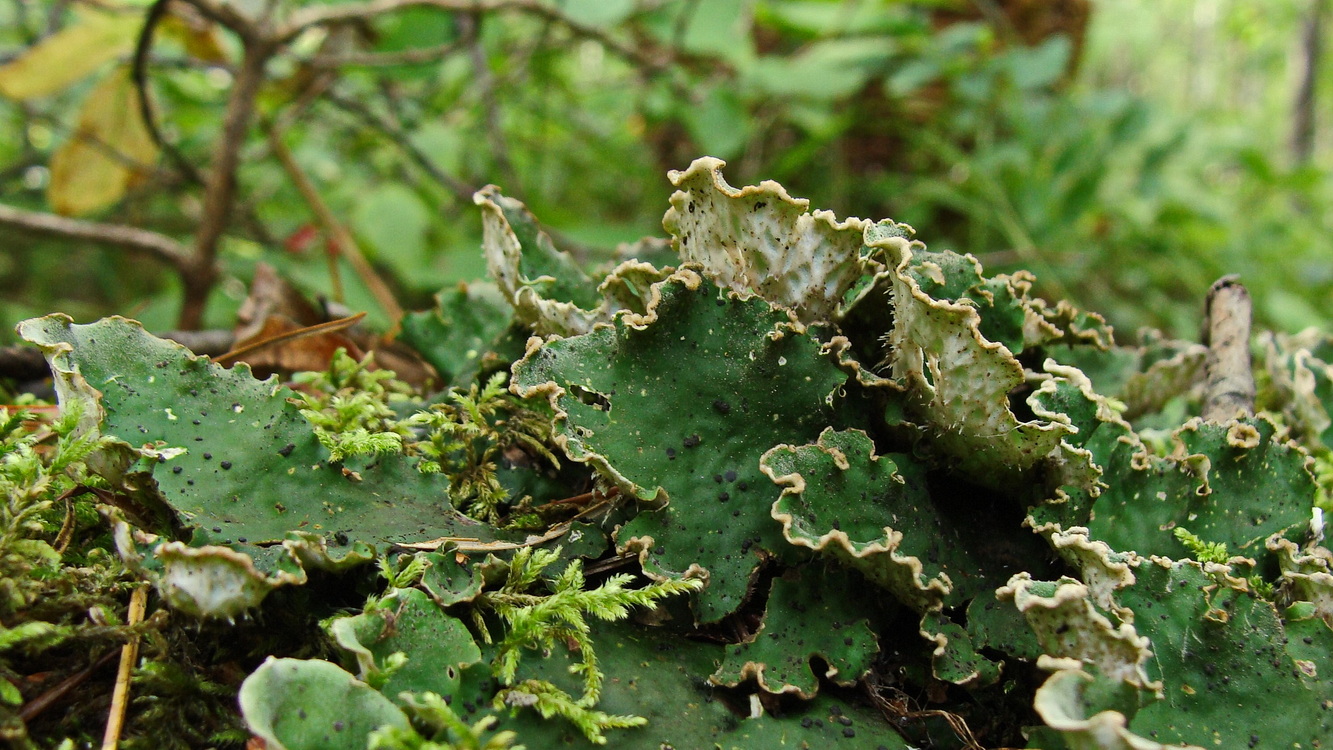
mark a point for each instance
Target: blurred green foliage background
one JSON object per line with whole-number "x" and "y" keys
{"x": 1128, "y": 152}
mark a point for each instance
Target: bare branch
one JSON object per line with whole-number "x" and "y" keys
{"x": 220, "y": 188}
{"x": 1303, "y": 116}
{"x": 139, "y": 73}
{"x": 1230, "y": 390}
{"x": 114, "y": 235}
{"x": 484, "y": 81}
{"x": 228, "y": 15}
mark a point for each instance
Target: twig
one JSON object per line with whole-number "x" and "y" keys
{"x": 346, "y": 243}
{"x": 139, "y": 74}
{"x": 1230, "y": 381}
{"x": 115, "y": 235}
{"x": 1303, "y": 116}
{"x": 300, "y": 333}
{"x": 585, "y": 497}
{"x": 68, "y": 526}
{"x": 323, "y": 15}
{"x": 461, "y": 190}
{"x": 129, "y": 654}
{"x": 220, "y": 187}
{"x": 683, "y": 20}
{"x": 421, "y": 56}
{"x": 226, "y": 14}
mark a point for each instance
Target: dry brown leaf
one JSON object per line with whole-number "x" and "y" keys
{"x": 313, "y": 352}
{"x": 275, "y": 307}
{"x": 270, "y": 294}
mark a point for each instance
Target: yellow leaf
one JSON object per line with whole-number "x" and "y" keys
{"x": 199, "y": 38}
{"x": 110, "y": 149}
{"x": 70, "y": 54}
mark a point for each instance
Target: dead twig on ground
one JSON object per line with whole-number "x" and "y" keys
{"x": 1229, "y": 392}
{"x": 129, "y": 654}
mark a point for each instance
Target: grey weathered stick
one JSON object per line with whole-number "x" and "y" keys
{"x": 115, "y": 235}
{"x": 1229, "y": 392}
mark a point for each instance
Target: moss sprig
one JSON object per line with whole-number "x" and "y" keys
{"x": 466, "y": 437}
{"x": 1216, "y": 552}
{"x": 349, "y": 407}
{"x": 37, "y": 467}
{"x": 544, "y": 621}
{"x": 1204, "y": 552}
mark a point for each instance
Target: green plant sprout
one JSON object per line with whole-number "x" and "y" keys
{"x": 349, "y": 407}
{"x": 545, "y": 621}
{"x": 465, "y": 438}
{"x": 432, "y": 714}
{"x": 1214, "y": 552}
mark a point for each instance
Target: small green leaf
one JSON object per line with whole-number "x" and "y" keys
{"x": 808, "y": 615}
{"x": 297, "y": 704}
{"x": 436, "y": 645}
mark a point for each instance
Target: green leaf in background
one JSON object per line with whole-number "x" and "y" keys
{"x": 394, "y": 222}
{"x": 412, "y": 28}
{"x": 1040, "y": 66}
{"x": 824, "y": 71}
{"x": 600, "y": 13}
{"x": 719, "y": 123}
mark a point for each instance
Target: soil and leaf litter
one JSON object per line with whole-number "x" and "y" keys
{"x": 798, "y": 481}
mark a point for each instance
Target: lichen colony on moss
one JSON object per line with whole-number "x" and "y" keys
{"x": 840, "y": 458}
